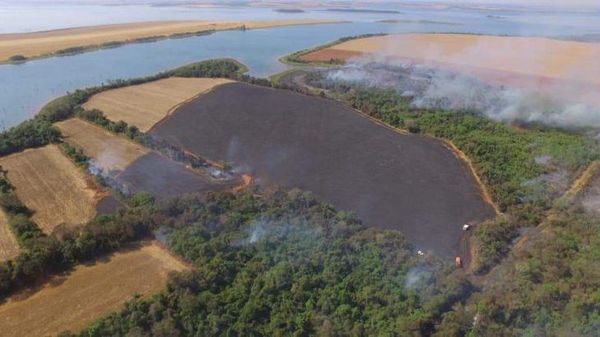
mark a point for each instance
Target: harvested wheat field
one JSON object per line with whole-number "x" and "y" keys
{"x": 110, "y": 152}
{"x": 528, "y": 62}
{"x": 395, "y": 181}
{"x": 71, "y": 302}
{"x": 9, "y": 247}
{"x": 48, "y": 42}
{"x": 146, "y": 104}
{"x": 49, "y": 184}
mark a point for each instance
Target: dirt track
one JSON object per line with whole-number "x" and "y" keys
{"x": 405, "y": 182}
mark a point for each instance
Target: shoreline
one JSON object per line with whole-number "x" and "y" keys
{"x": 24, "y": 47}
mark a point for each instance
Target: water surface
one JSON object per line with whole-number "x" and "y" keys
{"x": 24, "y": 88}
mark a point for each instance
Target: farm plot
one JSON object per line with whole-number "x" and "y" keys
{"x": 406, "y": 182}
{"x": 146, "y": 104}
{"x": 49, "y": 184}
{"x": 9, "y": 247}
{"x": 90, "y": 291}
{"x": 133, "y": 167}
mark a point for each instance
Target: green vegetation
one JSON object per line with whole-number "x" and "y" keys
{"x": 76, "y": 154}
{"x": 551, "y": 288}
{"x": 32, "y": 133}
{"x": 285, "y": 264}
{"x": 17, "y": 58}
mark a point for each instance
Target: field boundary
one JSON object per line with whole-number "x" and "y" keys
{"x": 173, "y": 109}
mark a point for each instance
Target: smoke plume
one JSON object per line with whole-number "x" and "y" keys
{"x": 507, "y": 79}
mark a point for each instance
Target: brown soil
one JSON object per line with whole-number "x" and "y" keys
{"x": 71, "y": 302}
{"x": 49, "y": 184}
{"x": 391, "y": 180}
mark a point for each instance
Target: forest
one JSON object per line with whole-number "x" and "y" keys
{"x": 284, "y": 264}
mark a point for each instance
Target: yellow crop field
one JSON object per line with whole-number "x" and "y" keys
{"x": 90, "y": 291}
{"x": 146, "y": 104}
{"x": 49, "y": 184}
{"x": 110, "y": 152}
{"x": 9, "y": 248}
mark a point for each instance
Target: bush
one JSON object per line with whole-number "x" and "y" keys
{"x": 17, "y": 58}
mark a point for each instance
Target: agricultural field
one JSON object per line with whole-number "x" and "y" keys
{"x": 110, "y": 153}
{"x": 133, "y": 167}
{"x": 411, "y": 183}
{"x": 52, "y": 186}
{"x": 71, "y": 302}
{"x": 9, "y": 247}
{"x": 146, "y": 104}
{"x": 47, "y": 42}
{"x": 544, "y": 63}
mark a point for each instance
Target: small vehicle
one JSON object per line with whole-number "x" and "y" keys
{"x": 466, "y": 227}
{"x": 458, "y": 262}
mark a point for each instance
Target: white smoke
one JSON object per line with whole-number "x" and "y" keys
{"x": 505, "y": 78}
{"x": 438, "y": 89}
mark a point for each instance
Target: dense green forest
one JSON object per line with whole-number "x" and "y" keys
{"x": 284, "y": 264}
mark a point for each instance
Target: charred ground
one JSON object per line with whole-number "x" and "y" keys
{"x": 410, "y": 183}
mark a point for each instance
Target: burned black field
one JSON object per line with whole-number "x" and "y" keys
{"x": 406, "y": 182}
{"x": 164, "y": 178}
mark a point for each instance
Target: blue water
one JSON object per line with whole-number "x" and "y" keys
{"x": 27, "y": 87}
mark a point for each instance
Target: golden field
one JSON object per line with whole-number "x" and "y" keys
{"x": 529, "y": 62}
{"x": 71, "y": 302}
{"x": 47, "y": 42}
{"x": 9, "y": 248}
{"x": 146, "y": 104}
{"x": 109, "y": 151}
{"x": 49, "y": 184}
